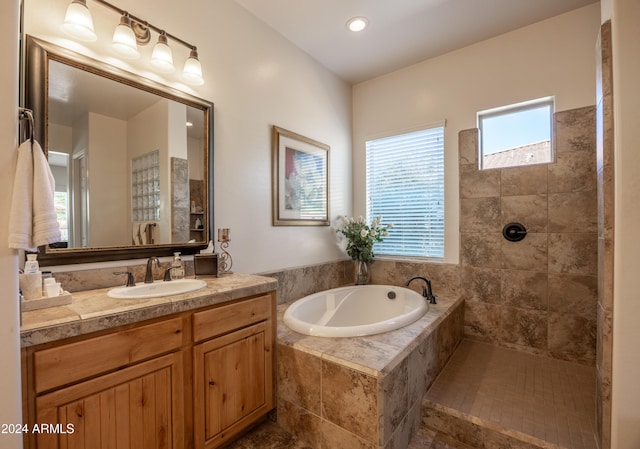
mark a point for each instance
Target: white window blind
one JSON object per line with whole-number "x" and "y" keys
{"x": 405, "y": 184}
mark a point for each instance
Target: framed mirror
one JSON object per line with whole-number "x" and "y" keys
{"x": 132, "y": 159}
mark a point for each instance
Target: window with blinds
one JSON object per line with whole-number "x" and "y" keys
{"x": 405, "y": 185}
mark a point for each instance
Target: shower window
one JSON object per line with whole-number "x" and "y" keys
{"x": 145, "y": 187}
{"x": 405, "y": 185}
{"x": 516, "y": 135}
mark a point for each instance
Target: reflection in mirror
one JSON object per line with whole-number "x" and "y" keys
{"x": 130, "y": 158}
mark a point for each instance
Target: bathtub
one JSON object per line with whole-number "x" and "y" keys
{"x": 355, "y": 311}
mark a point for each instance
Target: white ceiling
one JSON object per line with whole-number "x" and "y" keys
{"x": 400, "y": 32}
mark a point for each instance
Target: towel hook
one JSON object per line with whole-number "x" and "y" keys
{"x": 28, "y": 114}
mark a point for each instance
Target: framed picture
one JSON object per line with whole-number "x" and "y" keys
{"x": 300, "y": 180}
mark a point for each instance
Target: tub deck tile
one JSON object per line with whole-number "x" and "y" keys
{"x": 374, "y": 355}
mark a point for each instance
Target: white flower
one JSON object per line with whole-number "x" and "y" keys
{"x": 385, "y": 234}
{"x": 390, "y": 225}
{"x": 363, "y": 233}
{"x": 373, "y": 233}
{"x": 361, "y": 219}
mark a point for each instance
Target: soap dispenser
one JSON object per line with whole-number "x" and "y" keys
{"x": 31, "y": 266}
{"x": 31, "y": 279}
{"x": 177, "y": 269}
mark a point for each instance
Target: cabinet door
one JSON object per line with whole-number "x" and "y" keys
{"x": 137, "y": 407}
{"x": 233, "y": 383}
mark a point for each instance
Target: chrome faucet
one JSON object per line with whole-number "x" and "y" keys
{"x": 148, "y": 279}
{"x": 426, "y": 290}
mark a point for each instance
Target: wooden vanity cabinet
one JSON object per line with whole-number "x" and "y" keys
{"x": 233, "y": 369}
{"x": 195, "y": 379}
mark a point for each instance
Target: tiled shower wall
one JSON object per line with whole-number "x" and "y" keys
{"x": 179, "y": 200}
{"x": 539, "y": 294}
{"x": 605, "y": 171}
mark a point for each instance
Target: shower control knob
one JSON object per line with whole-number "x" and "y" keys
{"x": 514, "y": 232}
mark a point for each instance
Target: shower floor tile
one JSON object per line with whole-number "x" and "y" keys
{"x": 549, "y": 399}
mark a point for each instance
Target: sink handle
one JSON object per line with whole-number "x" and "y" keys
{"x": 131, "y": 282}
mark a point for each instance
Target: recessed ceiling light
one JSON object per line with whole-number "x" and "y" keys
{"x": 357, "y": 24}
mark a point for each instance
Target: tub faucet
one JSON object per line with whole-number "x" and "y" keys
{"x": 148, "y": 279}
{"x": 426, "y": 290}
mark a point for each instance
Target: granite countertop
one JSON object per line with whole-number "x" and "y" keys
{"x": 93, "y": 310}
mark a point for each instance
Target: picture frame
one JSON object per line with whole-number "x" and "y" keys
{"x": 300, "y": 180}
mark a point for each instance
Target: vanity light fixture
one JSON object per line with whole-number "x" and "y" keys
{"x": 130, "y": 33}
{"x": 356, "y": 24}
{"x": 78, "y": 22}
{"x": 162, "y": 58}
{"x": 192, "y": 72}
{"x": 124, "y": 39}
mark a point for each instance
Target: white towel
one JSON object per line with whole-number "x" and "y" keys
{"x": 32, "y": 219}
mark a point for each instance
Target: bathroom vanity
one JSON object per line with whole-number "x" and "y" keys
{"x": 184, "y": 371}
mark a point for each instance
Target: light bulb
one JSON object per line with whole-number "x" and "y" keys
{"x": 124, "y": 39}
{"x": 78, "y": 21}
{"x": 161, "y": 58}
{"x": 192, "y": 72}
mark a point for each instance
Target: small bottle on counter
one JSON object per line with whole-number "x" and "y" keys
{"x": 177, "y": 268}
{"x": 31, "y": 278}
{"x": 31, "y": 266}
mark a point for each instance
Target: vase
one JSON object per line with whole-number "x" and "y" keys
{"x": 361, "y": 272}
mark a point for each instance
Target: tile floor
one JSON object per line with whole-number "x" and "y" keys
{"x": 268, "y": 435}
{"x": 550, "y": 399}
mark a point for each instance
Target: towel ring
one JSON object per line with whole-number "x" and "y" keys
{"x": 28, "y": 114}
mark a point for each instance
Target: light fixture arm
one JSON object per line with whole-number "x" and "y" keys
{"x": 144, "y": 22}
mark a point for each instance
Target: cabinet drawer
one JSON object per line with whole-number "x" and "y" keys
{"x": 223, "y": 319}
{"x": 69, "y": 363}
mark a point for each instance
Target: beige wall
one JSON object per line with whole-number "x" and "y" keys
{"x": 10, "y": 410}
{"x": 625, "y": 416}
{"x": 108, "y": 180}
{"x": 553, "y": 57}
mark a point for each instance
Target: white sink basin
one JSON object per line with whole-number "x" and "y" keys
{"x": 157, "y": 289}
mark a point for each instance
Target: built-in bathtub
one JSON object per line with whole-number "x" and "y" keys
{"x": 355, "y": 311}
{"x": 364, "y": 391}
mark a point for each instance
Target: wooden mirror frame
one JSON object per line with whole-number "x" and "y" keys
{"x": 35, "y": 82}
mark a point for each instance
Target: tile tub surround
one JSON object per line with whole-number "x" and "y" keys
{"x": 93, "y": 310}
{"x": 363, "y": 392}
{"x": 539, "y": 295}
{"x": 298, "y": 282}
{"x": 606, "y": 200}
